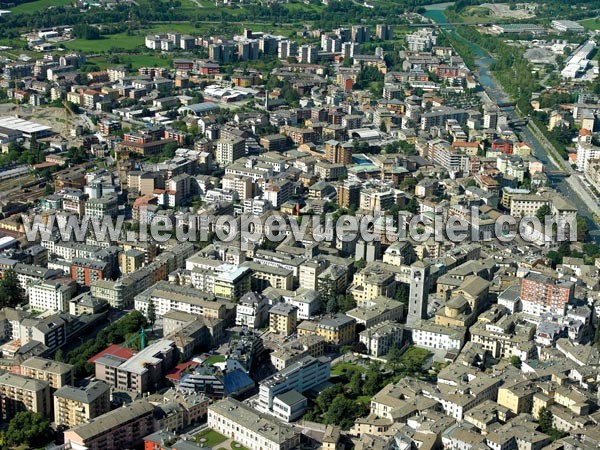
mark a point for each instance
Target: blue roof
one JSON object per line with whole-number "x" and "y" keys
{"x": 237, "y": 381}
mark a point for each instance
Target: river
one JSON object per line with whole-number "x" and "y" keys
{"x": 572, "y": 188}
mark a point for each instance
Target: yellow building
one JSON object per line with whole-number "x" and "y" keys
{"x": 283, "y": 318}
{"x": 131, "y": 260}
{"x": 75, "y": 406}
{"x": 337, "y": 330}
{"x": 232, "y": 285}
{"x": 264, "y": 276}
{"x": 57, "y": 374}
{"x": 331, "y": 438}
{"x": 518, "y": 397}
{"x": 18, "y": 393}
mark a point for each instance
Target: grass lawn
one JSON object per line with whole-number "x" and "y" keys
{"x": 212, "y": 438}
{"x": 39, "y": 5}
{"x": 366, "y": 399}
{"x": 239, "y": 447}
{"x": 591, "y": 24}
{"x": 340, "y": 368}
{"x": 120, "y": 40}
{"x": 214, "y": 359}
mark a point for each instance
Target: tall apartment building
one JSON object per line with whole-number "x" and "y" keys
{"x": 384, "y": 32}
{"x": 421, "y": 40}
{"x": 348, "y": 194}
{"x": 338, "y": 153}
{"x": 228, "y": 150}
{"x": 254, "y": 431}
{"x": 307, "y": 54}
{"x": 287, "y": 49}
{"x": 377, "y": 199}
{"x": 76, "y": 406}
{"x": 57, "y": 374}
{"x": 19, "y": 393}
{"x": 360, "y": 33}
{"x": 541, "y": 294}
{"x": 300, "y": 376}
{"x": 252, "y": 310}
{"x": 122, "y": 428}
{"x": 380, "y": 338}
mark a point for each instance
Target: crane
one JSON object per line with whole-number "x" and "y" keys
{"x": 141, "y": 335}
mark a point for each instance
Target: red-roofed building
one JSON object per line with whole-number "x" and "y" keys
{"x": 140, "y": 206}
{"x": 114, "y": 350}
{"x": 174, "y": 375}
{"x": 502, "y": 146}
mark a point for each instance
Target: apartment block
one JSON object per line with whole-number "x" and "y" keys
{"x": 542, "y": 294}
{"x": 283, "y": 319}
{"x": 380, "y": 338}
{"x": 57, "y": 374}
{"x": 19, "y": 393}
{"x": 76, "y": 406}
{"x": 122, "y": 428}
{"x": 49, "y": 296}
{"x": 337, "y": 330}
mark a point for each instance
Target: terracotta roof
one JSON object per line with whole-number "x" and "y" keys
{"x": 114, "y": 350}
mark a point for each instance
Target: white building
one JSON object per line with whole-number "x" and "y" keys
{"x": 252, "y": 310}
{"x": 254, "y": 431}
{"x": 381, "y": 338}
{"x": 300, "y": 376}
{"x": 48, "y": 296}
{"x": 430, "y": 336}
{"x": 586, "y": 153}
{"x": 422, "y": 40}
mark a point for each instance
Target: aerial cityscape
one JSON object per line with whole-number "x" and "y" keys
{"x": 286, "y": 224}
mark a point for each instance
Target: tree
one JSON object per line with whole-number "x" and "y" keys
{"x": 59, "y": 355}
{"x": 29, "y": 428}
{"x": 515, "y": 361}
{"x": 393, "y": 357}
{"x": 11, "y": 292}
{"x": 582, "y": 228}
{"x": 327, "y": 292}
{"x": 87, "y": 32}
{"x": 345, "y": 302}
{"x": 373, "y": 382}
{"x": 332, "y": 306}
{"x": 326, "y": 397}
{"x": 355, "y": 383}
{"x": 151, "y": 313}
{"x": 343, "y": 412}
{"x": 414, "y": 359}
{"x": 597, "y": 335}
{"x": 542, "y": 212}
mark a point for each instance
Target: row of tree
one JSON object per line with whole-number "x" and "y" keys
{"x": 116, "y": 333}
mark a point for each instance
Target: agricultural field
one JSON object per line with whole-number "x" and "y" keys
{"x": 591, "y": 24}
{"x": 39, "y": 5}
